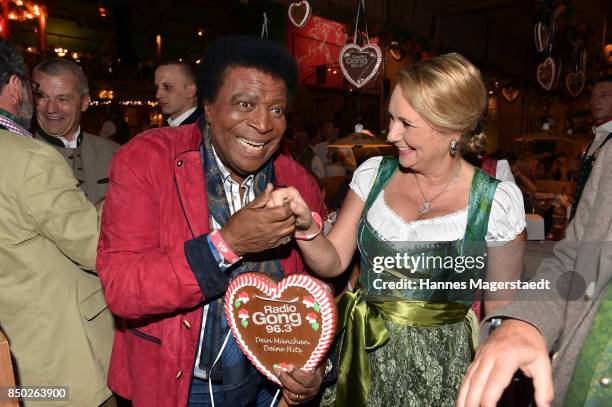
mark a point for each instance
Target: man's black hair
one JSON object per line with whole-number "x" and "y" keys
{"x": 11, "y": 63}
{"x": 244, "y": 51}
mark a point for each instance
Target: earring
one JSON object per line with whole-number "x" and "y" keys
{"x": 453, "y": 148}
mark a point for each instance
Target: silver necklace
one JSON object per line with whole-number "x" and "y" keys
{"x": 427, "y": 204}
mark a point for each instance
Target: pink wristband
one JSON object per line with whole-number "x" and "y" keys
{"x": 222, "y": 247}
{"x": 317, "y": 219}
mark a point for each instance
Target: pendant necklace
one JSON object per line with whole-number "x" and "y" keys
{"x": 427, "y": 204}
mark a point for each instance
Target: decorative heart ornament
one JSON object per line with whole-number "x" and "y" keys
{"x": 277, "y": 324}
{"x": 396, "y": 51}
{"x": 574, "y": 82}
{"x": 546, "y": 73}
{"x": 510, "y": 94}
{"x": 541, "y": 36}
{"x": 299, "y": 12}
{"x": 559, "y": 64}
{"x": 360, "y": 64}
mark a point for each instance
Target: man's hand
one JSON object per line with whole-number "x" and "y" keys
{"x": 514, "y": 345}
{"x": 256, "y": 228}
{"x": 300, "y": 386}
{"x": 291, "y": 196}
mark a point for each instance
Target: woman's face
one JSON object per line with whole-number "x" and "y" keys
{"x": 420, "y": 147}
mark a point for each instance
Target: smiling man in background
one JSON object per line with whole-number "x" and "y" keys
{"x": 52, "y": 308}
{"x": 62, "y": 97}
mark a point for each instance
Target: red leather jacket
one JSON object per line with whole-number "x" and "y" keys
{"x": 156, "y": 202}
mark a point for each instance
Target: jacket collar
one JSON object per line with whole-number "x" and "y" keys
{"x": 188, "y": 177}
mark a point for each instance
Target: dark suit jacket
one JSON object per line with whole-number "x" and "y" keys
{"x": 193, "y": 117}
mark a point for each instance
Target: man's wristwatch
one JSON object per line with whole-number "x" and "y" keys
{"x": 329, "y": 366}
{"x": 495, "y": 323}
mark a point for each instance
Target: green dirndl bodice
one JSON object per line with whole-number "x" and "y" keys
{"x": 412, "y": 316}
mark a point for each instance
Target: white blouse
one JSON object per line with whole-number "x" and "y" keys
{"x": 506, "y": 220}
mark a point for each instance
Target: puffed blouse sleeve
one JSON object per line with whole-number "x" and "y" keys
{"x": 364, "y": 176}
{"x": 507, "y": 217}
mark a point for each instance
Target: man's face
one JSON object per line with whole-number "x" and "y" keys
{"x": 247, "y": 119}
{"x": 329, "y": 131}
{"x": 601, "y": 101}
{"x": 174, "y": 93}
{"x": 59, "y": 104}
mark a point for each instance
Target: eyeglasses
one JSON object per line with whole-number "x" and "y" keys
{"x": 33, "y": 84}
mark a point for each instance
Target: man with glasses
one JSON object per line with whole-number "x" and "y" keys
{"x": 52, "y": 311}
{"x": 63, "y": 95}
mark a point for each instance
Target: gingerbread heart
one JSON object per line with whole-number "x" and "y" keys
{"x": 559, "y": 64}
{"x": 574, "y": 82}
{"x": 510, "y": 94}
{"x": 360, "y": 64}
{"x": 277, "y": 324}
{"x": 396, "y": 51}
{"x": 546, "y": 73}
{"x": 299, "y": 12}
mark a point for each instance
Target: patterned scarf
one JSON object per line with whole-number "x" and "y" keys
{"x": 233, "y": 369}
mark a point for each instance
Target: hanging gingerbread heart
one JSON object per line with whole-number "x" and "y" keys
{"x": 559, "y": 64}
{"x": 396, "y": 50}
{"x": 540, "y": 36}
{"x": 278, "y": 324}
{"x": 360, "y": 64}
{"x": 510, "y": 94}
{"x": 574, "y": 82}
{"x": 299, "y": 12}
{"x": 546, "y": 73}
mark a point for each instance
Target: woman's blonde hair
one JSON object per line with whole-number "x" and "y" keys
{"x": 448, "y": 92}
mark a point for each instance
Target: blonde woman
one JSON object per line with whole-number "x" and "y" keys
{"x": 406, "y": 336}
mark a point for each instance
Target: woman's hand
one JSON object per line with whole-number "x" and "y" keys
{"x": 298, "y": 207}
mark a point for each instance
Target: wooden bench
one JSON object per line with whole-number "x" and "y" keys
{"x": 7, "y": 378}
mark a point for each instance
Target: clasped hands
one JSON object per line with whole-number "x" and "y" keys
{"x": 268, "y": 221}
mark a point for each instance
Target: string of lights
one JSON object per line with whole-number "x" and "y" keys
{"x": 20, "y": 10}
{"x": 151, "y": 103}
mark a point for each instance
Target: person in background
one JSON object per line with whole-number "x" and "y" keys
{"x": 52, "y": 308}
{"x": 185, "y": 214}
{"x": 562, "y": 171}
{"x": 336, "y": 155}
{"x": 305, "y": 155}
{"x": 115, "y": 128}
{"x": 63, "y": 95}
{"x": 524, "y": 171}
{"x": 177, "y": 93}
{"x": 493, "y": 165}
{"x": 601, "y": 108}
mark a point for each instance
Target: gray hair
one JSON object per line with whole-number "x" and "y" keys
{"x": 59, "y": 66}
{"x": 11, "y": 63}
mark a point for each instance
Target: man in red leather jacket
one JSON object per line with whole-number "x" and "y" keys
{"x": 184, "y": 214}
